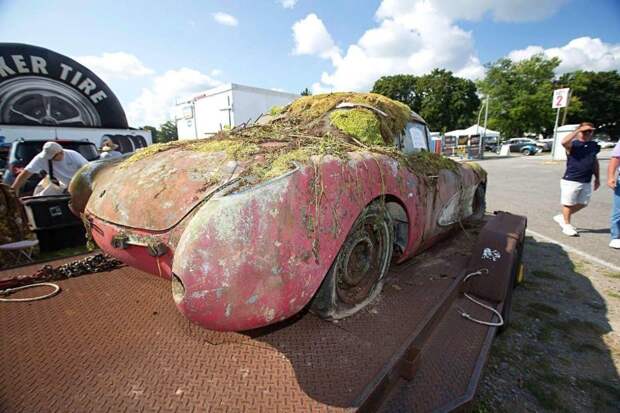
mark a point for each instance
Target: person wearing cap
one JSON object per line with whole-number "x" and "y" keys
{"x": 612, "y": 182}
{"x": 64, "y": 164}
{"x": 108, "y": 150}
{"x": 576, "y": 184}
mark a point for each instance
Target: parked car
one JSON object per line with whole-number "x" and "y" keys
{"x": 605, "y": 144}
{"x": 310, "y": 207}
{"x": 526, "y": 146}
{"x": 545, "y": 144}
{"x": 21, "y": 153}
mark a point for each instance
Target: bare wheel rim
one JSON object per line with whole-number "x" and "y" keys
{"x": 35, "y": 101}
{"x": 363, "y": 262}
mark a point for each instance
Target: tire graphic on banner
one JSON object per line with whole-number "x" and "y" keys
{"x": 41, "y": 87}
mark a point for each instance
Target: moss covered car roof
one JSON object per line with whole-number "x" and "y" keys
{"x": 329, "y": 124}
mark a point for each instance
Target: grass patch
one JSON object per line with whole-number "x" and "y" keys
{"x": 546, "y": 396}
{"x": 535, "y": 309}
{"x": 603, "y": 394}
{"x": 587, "y": 347}
{"x": 579, "y": 326}
{"x": 545, "y": 274}
{"x": 546, "y": 333}
{"x": 63, "y": 253}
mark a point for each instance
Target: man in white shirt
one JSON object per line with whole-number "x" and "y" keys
{"x": 64, "y": 164}
{"x": 109, "y": 150}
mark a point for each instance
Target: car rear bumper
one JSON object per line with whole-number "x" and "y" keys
{"x": 149, "y": 252}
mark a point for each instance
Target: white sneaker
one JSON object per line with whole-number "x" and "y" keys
{"x": 569, "y": 230}
{"x": 615, "y": 243}
{"x": 560, "y": 220}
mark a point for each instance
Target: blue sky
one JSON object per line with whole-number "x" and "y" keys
{"x": 150, "y": 52}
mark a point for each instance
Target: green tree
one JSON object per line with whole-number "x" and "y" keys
{"x": 154, "y": 132}
{"x": 306, "y": 92}
{"x": 520, "y": 95}
{"x": 167, "y": 132}
{"x": 448, "y": 102}
{"x": 595, "y": 97}
{"x": 402, "y": 88}
{"x": 445, "y": 101}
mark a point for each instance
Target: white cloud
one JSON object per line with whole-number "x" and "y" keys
{"x": 500, "y": 10}
{"x": 312, "y": 38}
{"x": 583, "y": 53}
{"x": 215, "y": 72}
{"x": 155, "y": 105}
{"x": 225, "y": 19}
{"x": 411, "y": 37}
{"x": 288, "y": 4}
{"x": 117, "y": 65}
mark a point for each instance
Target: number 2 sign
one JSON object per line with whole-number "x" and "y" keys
{"x": 560, "y": 98}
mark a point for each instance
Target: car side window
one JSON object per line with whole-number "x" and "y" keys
{"x": 415, "y": 139}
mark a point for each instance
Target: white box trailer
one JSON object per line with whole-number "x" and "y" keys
{"x": 558, "y": 152}
{"x": 128, "y": 139}
{"x": 225, "y": 106}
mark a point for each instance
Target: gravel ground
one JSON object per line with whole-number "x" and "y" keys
{"x": 562, "y": 349}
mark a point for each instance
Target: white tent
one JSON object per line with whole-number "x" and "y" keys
{"x": 474, "y": 130}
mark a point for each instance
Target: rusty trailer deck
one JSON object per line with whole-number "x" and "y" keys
{"x": 115, "y": 342}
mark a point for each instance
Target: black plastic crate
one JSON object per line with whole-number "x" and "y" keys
{"x": 46, "y": 212}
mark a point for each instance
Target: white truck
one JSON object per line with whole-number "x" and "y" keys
{"x": 225, "y": 106}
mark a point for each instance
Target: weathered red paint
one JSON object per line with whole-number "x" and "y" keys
{"x": 256, "y": 256}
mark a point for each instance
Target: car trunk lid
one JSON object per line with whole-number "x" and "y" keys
{"x": 157, "y": 191}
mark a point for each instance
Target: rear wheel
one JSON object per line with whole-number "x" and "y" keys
{"x": 356, "y": 275}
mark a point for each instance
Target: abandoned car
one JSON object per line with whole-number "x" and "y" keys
{"x": 305, "y": 208}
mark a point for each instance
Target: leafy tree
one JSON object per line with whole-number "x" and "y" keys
{"x": 520, "y": 95}
{"x": 448, "y": 102}
{"x": 402, "y": 88}
{"x": 595, "y": 97}
{"x": 168, "y": 132}
{"x": 154, "y": 132}
{"x": 445, "y": 101}
{"x": 306, "y": 92}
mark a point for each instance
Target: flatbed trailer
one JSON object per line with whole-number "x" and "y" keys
{"x": 115, "y": 342}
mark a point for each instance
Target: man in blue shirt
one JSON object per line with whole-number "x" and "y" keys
{"x": 581, "y": 165}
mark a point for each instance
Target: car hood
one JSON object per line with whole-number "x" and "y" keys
{"x": 156, "y": 192}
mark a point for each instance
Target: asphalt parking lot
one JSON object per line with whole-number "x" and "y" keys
{"x": 530, "y": 185}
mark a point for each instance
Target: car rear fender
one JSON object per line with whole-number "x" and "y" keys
{"x": 258, "y": 256}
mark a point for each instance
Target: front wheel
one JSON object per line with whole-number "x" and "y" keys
{"x": 526, "y": 152}
{"x": 356, "y": 275}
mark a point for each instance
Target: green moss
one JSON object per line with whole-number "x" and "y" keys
{"x": 429, "y": 163}
{"x": 310, "y": 108}
{"x": 360, "y": 123}
{"x": 276, "y": 110}
{"x": 312, "y": 126}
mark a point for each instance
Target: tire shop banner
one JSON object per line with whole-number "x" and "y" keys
{"x": 42, "y": 87}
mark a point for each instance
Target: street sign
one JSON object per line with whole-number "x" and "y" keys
{"x": 560, "y": 98}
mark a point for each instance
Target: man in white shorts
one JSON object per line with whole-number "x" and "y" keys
{"x": 576, "y": 184}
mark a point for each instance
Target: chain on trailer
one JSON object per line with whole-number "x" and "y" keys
{"x": 87, "y": 265}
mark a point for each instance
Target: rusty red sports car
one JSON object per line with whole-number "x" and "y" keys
{"x": 305, "y": 208}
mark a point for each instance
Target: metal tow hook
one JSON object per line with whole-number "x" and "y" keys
{"x": 119, "y": 241}
{"x": 157, "y": 249}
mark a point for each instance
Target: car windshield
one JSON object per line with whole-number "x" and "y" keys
{"x": 25, "y": 151}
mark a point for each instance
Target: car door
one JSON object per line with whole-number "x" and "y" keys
{"x": 444, "y": 191}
